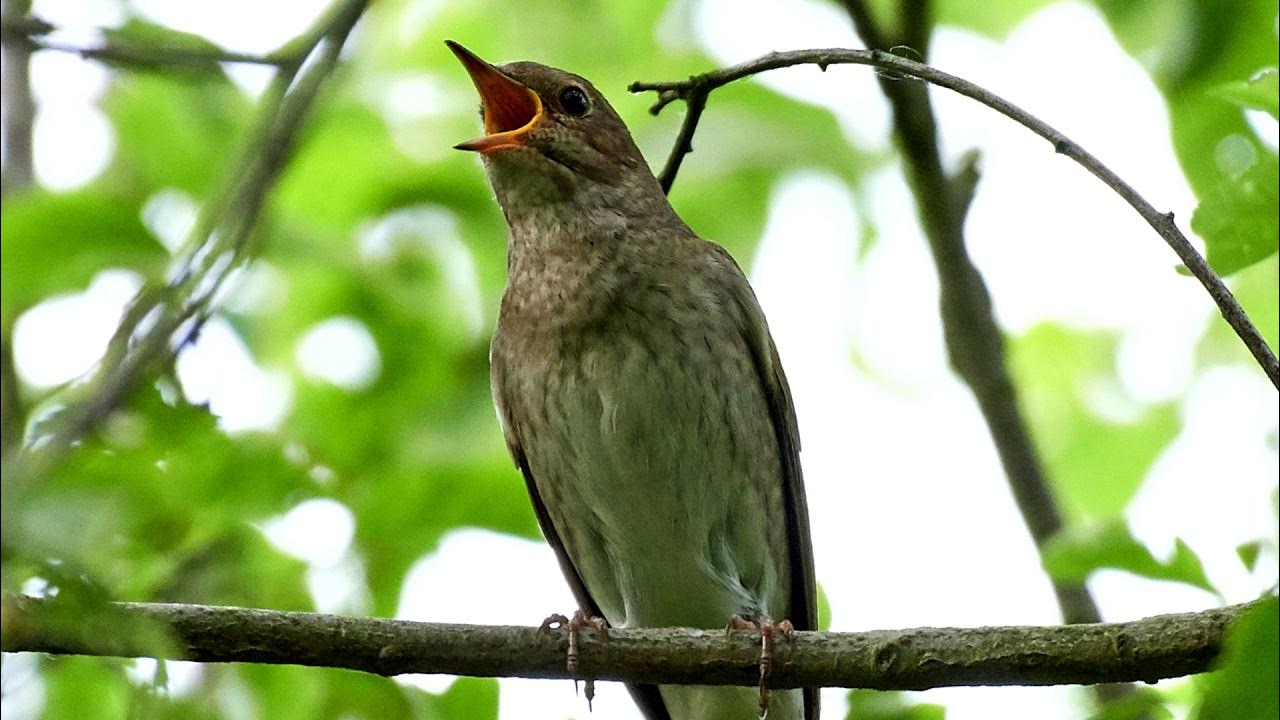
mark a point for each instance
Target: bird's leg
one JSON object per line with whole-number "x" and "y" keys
{"x": 767, "y": 629}
{"x": 581, "y": 619}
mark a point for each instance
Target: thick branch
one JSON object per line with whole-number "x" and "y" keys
{"x": 699, "y": 86}
{"x": 1147, "y": 650}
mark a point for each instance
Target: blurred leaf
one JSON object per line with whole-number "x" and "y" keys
{"x": 1192, "y": 48}
{"x": 1260, "y": 92}
{"x": 1248, "y": 554}
{"x": 1072, "y": 555}
{"x": 466, "y": 698}
{"x": 1246, "y": 682}
{"x": 1141, "y": 704}
{"x": 993, "y": 19}
{"x": 1238, "y": 222}
{"x": 283, "y": 692}
{"x": 156, "y": 506}
{"x": 1255, "y": 288}
{"x": 1094, "y": 463}
{"x": 143, "y": 35}
{"x": 56, "y": 243}
{"x": 85, "y": 688}
{"x": 174, "y": 133}
{"x": 886, "y": 705}
{"x": 348, "y": 169}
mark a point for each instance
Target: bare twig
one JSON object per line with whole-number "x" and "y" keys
{"x": 161, "y": 319}
{"x": 1147, "y": 650}
{"x": 694, "y": 106}
{"x": 702, "y": 85}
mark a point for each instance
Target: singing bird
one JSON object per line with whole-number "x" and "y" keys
{"x": 638, "y": 388}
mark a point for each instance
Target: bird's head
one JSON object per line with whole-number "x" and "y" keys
{"x": 551, "y": 138}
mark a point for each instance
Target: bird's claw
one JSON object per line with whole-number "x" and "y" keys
{"x": 767, "y": 629}
{"x": 581, "y": 619}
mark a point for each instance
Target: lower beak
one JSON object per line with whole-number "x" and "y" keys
{"x": 510, "y": 108}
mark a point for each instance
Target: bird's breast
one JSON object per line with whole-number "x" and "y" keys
{"x": 651, "y": 445}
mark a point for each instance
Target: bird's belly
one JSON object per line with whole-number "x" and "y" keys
{"x": 661, "y": 474}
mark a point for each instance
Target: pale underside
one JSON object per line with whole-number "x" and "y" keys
{"x": 655, "y": 454}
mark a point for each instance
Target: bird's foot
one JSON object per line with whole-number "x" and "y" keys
{"x": 768, "y": 629}
{"x": 581, "y": 619}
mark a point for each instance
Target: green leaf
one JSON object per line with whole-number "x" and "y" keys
{"x": 993, "y": 19}
{"x": 1192, "y": 48}
{"x": 143, "y": 44}
{"x": 1245, "y": 684}
{"x": 1260, "y": 92}
{"x": 1248, "y": 554}
{"x": 56, "y": 243}
{"x": 885, "y": 705}
{"x": 1255, "y": 288}
{"x": 1072, "y": 555}
{"x": 1239, "y": 222}
{"x": 1095, "y": 463}
{"x": 466, "y": 698}
{"x": 174, "y": 133}
{"x": 1142, "y": 704}
{"x": 85, "y": 688}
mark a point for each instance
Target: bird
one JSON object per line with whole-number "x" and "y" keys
{"x": 639, "y": 390}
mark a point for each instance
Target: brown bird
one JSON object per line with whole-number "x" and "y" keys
{"x": 639, "y": 389}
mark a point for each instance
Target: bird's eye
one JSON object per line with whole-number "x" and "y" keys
{"x": 574, "y": 101}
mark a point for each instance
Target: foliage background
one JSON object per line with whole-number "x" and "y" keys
{"x": 383, "y": 250}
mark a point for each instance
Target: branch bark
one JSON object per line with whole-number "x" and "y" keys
{"x": 698, "y": 87}
{"x": 1148, "y": 650}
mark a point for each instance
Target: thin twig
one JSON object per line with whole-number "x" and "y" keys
{"x": 684, "y": 140}
{"x": 1162, "y": 222}
{"x": 1146, "y": 650}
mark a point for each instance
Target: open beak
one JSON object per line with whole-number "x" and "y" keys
{"x": 510, "y": 108}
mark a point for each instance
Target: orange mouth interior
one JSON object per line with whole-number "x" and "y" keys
{"x": 510, "y": 108}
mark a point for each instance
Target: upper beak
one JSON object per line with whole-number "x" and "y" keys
{"x": 510, "y": 108}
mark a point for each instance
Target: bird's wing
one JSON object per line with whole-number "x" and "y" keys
{"x": 764, "y": 354}
{"x": 647, "y": 697}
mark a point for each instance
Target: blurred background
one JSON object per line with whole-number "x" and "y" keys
{"x": 326, "y": 440}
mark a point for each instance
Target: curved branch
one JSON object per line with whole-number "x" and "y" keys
{"x": 1147, "y": 650}
{"x": 699, "y": 87}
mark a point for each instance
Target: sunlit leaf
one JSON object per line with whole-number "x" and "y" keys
{"x": 1246, "y": 682}
{"x": 1260, "y": 92}
{"x": 1074, "y": 554}
{"x": 56, "y": 243}
{"x": 1140, "y": 704}
{"x": 1095, "y": 463}
{"x": 1238, "y": 222}
{"x": 86, "y": 688}
{"x": 885, "y": 705}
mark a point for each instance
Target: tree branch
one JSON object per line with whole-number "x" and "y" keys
{"x": 1156, "y": 648}
{"x": 700, "y": 86}
{"x": 975, "y": 343}
{"x": 161, "y": 320}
